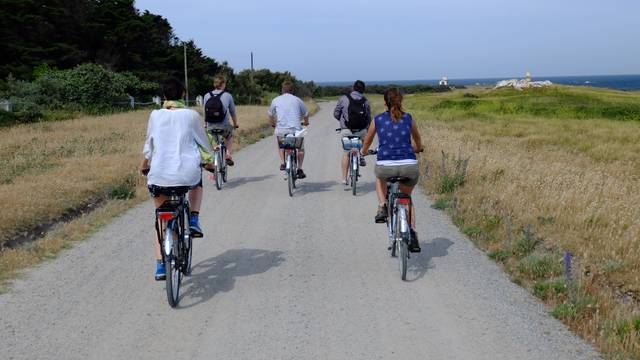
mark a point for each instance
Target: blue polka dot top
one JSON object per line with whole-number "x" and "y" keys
{"x": 394, "y": 138}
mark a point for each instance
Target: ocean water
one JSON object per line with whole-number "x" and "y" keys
{"x": 619, "y": 82}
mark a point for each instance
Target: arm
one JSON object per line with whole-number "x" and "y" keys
{"x": 232, "y": 111}
{"x": 305, "y": 114}
{"x": 371, "y": 134}
{"x": 147, "y": 151}
{"x": 368, "y": 110}
{"x": 417, "y": 139}
{"x": 272, "y": 114}
{"x": 337, "y": 112}
{"x": 200, "y": 135}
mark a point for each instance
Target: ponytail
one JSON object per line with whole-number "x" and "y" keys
{"x": 393, "y": 100}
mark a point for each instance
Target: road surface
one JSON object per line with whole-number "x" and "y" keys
{"x": 307, "y": 277}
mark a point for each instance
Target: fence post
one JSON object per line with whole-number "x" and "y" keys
{"x": 6, "y": 105}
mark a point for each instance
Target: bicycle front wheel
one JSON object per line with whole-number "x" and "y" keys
{"x": 354, "y": 174}
{"x": 174, "y": 274}
{"x": 188, "y": 246}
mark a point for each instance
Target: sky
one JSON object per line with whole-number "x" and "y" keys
{"x": 343, "y": 40}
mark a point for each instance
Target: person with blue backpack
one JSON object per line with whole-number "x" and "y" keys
{"x": 353, "y": 111}
{"x": 396, "y": 155}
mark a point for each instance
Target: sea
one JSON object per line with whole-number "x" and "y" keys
{"x": 618, "y": 82}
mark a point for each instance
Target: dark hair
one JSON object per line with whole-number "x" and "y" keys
{"x": 393, "y": 99}
{"x": 172, "y": 89}
{"x": 358, "y": 86}
{"x": 287, "y": 87}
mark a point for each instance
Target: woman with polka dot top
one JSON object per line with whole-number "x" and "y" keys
{"x": 396, "y": 154}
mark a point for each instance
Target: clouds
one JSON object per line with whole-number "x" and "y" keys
{"x": 413, "y": 39}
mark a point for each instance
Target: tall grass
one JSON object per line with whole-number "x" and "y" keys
{"x": 551, "y": 170}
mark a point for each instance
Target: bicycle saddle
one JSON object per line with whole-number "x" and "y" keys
{"x": 396, "y": 179}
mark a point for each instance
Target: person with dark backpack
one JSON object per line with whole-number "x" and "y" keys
{"x": 219, "y": 108}
{"x": 353, "y": 111}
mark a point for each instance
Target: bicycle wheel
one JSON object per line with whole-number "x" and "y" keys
{"x": 294, "y": 170}
{"x": 174, "y": 275}
{"x": 354, "y": 174}
{"x": 290, "y": 175}
{"x": 225, "y": 168}
{"x": 218, "y": 171}
{"x": 188, "y": 246}
{"x": 403, "y": 256}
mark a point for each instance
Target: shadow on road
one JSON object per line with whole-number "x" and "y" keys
{"x": 363, "y": 188}
{"x": 420, "y": 264}
{"x": 219, "y": 274}
{"x": 305, "y": 187}
{"x": 236, "y": 182}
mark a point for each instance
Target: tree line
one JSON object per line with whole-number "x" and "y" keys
{"x": 92, "y": 54}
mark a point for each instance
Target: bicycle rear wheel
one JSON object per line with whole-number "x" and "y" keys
{"x": 354, "y": 174}
{"x": 188, "y": 246}
{"x": 218, "y": 171}
{"x": 225, "y": 168}
{"x": 174, "y": 274}
{"x": 290, "y": 175}
{"x": 403, "y": 256}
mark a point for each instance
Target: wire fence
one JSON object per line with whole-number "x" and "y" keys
{"x": 11, "y": 105}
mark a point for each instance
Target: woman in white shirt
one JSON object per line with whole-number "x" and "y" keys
{"x": 172, "y": 156}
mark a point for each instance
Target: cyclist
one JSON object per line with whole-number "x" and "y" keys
{"x": 218, "y": 108}
{"x": 396, "y": 155}
{"x": 353, "y": 111}
{"x": 285, "y": 114}
{"x": 172, "y": 156}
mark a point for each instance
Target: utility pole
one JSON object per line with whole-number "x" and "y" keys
{"x": 251, "y": 78}
{"x": 186, "y": 78}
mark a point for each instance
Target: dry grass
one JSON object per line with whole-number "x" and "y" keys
{"x": 51, "y": 168}
{"x": 537, "y": 186}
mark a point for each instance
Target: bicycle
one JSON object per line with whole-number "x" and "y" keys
{"x": 398, "y": 221}
{"x": 291, "y": 145}
{"x": 220, "y": 152}
{"x": 353, "y": 144}
{"x": 176, "y": 242}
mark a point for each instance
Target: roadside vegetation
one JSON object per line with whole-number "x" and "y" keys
{"x": 51, "y": 172}
{"x": 530, "y": 175}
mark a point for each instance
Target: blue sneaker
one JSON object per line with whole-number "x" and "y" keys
{"x": 161, "y": 272}
{"x": 194, "y": 226}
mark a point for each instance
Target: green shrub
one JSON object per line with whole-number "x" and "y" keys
{"x": 440, "y": 204}
{"x": 449, "y": 183}
{"x": 540, "y": 266}
{"x": 498, "y": 255}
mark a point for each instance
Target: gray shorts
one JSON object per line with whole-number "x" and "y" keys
{"x": 228, "y": 128}
{"x": 348, "y": 132}
{"x": 409, "y": 171}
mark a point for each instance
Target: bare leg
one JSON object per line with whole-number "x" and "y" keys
{"x": 345, "y": 165}
{"x": 407, "y": 190}
{"x": 300, "y": 159}
{"x": 158, "y": 202}
{"x": 280, "y": 152}
{"x": 381, "y": 190}
{"x": 195, "y": 198}
{"x": 229, "y": 144}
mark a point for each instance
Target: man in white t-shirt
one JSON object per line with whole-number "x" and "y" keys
{"x": 286, "y": 112}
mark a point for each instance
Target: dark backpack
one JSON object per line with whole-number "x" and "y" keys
{"x": 214, "y": 109}
{"x": 357, "y": 118}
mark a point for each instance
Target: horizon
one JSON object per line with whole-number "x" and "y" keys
{"x": 539, "y": 77}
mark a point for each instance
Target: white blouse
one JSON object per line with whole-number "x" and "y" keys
{"x": 173, "y": 136}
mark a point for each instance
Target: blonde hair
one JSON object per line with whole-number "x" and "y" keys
{"x": 219, "y": 81}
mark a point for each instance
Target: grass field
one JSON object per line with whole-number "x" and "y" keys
{"x": 49, "y": 169}
{"x": 549, "y": 170}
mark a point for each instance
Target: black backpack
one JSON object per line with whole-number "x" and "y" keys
{"x": 357, "y": 118}
{"x": 214, "y": 109}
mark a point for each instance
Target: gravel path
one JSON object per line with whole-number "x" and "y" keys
{"x": 275, "y": 277}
